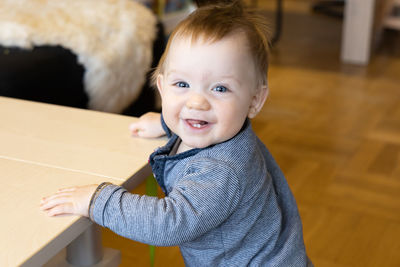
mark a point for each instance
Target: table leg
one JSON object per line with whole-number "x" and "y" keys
{"x": 86, "y": 249}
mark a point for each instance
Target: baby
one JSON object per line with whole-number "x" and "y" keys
{"x": 226, "y": 201}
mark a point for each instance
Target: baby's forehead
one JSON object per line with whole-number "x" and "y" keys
{"x": 207, "y": 38}
{"x": 230, "y": 49}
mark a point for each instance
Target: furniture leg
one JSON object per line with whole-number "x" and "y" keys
{"x": 357, "y": 31}
{"x": 86, "y": 249}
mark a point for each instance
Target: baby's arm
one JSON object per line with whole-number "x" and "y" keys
{"x": 74, "y": 200}
{"x": 199, "y": 202}
{"x": 148, "y": 126}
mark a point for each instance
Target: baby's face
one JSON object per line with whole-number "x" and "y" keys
{"x": 207, "y": 89}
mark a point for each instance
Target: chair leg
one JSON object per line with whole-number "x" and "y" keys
{"x": 331, "y": 8}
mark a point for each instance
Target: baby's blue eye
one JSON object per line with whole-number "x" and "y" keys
{"x": 182, "y": 84}
{"x": 220, "y": 89}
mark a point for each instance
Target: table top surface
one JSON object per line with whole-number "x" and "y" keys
{"x": 46, "y": 147}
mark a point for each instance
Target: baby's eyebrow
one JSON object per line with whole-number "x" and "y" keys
{"x": 176, "y": 72}
{"x": 230, "y": 77}
{"x": 220, "y": 78}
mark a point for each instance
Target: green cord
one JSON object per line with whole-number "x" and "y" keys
{"x": 151, "y": 190}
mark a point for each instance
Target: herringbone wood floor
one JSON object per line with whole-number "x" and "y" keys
{"x": 335, "y": 131}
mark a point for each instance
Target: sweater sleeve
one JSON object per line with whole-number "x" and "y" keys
{"x": 202, "y": 200}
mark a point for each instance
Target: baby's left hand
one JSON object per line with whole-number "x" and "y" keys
{"x": 74, "y": 200}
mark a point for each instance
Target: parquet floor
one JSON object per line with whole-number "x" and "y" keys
{"x": 335, "y": 131}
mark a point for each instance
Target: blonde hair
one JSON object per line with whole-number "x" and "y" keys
{"x": 213, "y": 22}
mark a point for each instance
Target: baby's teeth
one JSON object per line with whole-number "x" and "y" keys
{"x": 197, "y": 125}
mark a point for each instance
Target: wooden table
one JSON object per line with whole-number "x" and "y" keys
{"x": 45, "y": 147}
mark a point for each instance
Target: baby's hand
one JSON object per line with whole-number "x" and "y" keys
{"x": 74, "y": 200}
{"x": 148, "y": 126}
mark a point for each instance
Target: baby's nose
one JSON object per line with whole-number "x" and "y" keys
{"x": 197, "y": 101}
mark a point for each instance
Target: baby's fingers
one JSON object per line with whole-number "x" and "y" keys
{"x": 74, "y": 200}
{"x": 57, "y": 195}
{"x": 135, "y": 128}
{"x": 66, "y": 208}
{"x": 55, "y": 200}
{"x": 68, "y": 189}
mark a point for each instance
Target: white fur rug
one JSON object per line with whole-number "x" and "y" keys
{"x": 112, "y": 39}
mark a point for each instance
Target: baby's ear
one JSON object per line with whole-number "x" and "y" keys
{"x": 258, "y": 101}
{"x": 160, "y": 82}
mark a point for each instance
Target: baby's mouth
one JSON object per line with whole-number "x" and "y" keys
{"x": 197, "y": 123}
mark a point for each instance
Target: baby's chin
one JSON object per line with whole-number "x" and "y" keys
{"x": 191, "y": 144}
